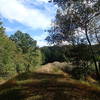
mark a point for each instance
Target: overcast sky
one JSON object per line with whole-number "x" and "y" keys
{"x": 30, "y": 16}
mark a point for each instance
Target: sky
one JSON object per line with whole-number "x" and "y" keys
{"x": 29, "y": 16}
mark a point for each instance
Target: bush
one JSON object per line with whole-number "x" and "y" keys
{"x": 81, "y": 72}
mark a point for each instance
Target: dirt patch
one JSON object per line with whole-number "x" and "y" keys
{"x": 2, "y": 82}
{"x": 55, "y": 67}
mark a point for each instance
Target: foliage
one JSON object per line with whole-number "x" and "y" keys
{"x": 18, "y": 53}
{"x": 23, "y": 40}
{"x": 7, "y": 53}
{"x": 77, "y": 22}
{"x": 55, "y": 53}
{"x": 81, "y": 72}
{"x": 69, "y": 24}
{"x": 80, "y": 54}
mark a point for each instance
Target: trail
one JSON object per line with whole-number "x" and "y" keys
{"x": 46, "y": 86}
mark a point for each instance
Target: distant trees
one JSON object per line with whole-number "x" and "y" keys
{"x": 77, "y": 21}
{"x": 81, "y": 55}
{"x": 55, "y": 53}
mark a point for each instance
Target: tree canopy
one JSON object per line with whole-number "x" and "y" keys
{"x": 23, "y": 40}
{"x": 18, "y": 53}
{"x": 77, "y": 22}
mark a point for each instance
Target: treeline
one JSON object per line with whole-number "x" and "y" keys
{"x": 55, "y": 53}
{"x": 69, "y": 53}
{"x": 18, "y": 53}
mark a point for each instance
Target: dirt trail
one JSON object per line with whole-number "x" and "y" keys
{"x": 2, "y": 82}
{"x": 44, "y": 86}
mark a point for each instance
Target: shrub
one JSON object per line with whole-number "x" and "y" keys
{"x": 81, "y": 72}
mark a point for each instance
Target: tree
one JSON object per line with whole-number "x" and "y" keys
{"x": 7, "y": 53}
{"x": 18, "y": 53}
{"x": 28, "y": 54}
{"x": 23, "y": 40}
{"x": 32, "y": 59}
{"x": 55, "y": 53}
{"x": 81, "y": 55}
{"x": 2, "y": 29}
{"x": 73, "y": 23}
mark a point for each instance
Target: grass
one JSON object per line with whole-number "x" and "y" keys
{"x": 43, "y": 86}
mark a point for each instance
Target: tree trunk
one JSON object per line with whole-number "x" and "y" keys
{"x": 92, "y": 52}
{"x": 99, "y": 66}
{"x": 97, "y": 38}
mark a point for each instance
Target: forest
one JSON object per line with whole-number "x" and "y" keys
{"x": 67, "y": 69}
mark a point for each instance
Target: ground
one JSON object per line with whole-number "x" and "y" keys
{"x": 42, "y": 85}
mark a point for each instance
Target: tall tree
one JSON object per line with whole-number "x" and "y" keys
{"x": 73, "y": 23}
{"x": 29, "y": 55}
{"x": 23, "y": 40}
{"x": 7, "y": 53}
